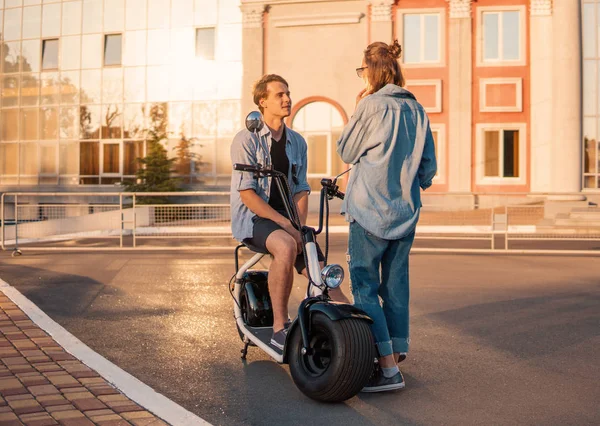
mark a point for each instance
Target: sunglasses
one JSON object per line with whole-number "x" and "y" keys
{"x": 360, "y": 71}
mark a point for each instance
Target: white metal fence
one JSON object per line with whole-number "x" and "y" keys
{"x": 553, "y": 223}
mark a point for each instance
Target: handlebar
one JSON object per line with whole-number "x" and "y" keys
{"x": 247, "y": 167}
{"x": 332, "y": 189}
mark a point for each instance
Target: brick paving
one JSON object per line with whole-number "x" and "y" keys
{"x": 41, "y": 384}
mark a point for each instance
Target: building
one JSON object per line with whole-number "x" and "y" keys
{"x": 79, "y": 79}
{"x": 512, "y": 87}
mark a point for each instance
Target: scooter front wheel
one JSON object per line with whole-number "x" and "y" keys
{"x": 339, "y": 362}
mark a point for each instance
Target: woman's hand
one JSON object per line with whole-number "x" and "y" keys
{"x": 361, "y": 95}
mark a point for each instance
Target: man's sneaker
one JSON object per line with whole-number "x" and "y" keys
{"x": 278, "y": 339}
{"x": 379, "y": 383}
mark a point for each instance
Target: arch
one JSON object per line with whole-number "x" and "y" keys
{"x": 311, "y": 99}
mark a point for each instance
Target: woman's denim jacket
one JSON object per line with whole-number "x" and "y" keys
{"x": 248, "y": 148}
{"x": 389, "y": 141}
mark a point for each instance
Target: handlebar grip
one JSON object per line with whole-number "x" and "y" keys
{"x": 247, "y": 167}
{"x": 340, "y": 195}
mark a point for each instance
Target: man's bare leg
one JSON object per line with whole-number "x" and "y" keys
{"x": 335, "y": 293}
{"x": 282, "y": 247}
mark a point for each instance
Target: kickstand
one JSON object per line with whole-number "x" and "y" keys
{"x": 245, "y": 350}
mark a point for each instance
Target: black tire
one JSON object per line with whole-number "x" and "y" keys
{"x": 342, "y": 362}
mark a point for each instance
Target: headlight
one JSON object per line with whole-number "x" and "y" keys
{"x": 332, "y": 276}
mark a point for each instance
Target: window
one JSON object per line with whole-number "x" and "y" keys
{"x": 110, "y": 158}
{"x": 501, "y": 154}
{"x": 421, "y": 38}
{"x": 50, "y": 54}
{"x": 438, "y": 132}
{"x": 501, "y": 35}
{"x": 205, "y": 43}
{"x": 112, "y": 49}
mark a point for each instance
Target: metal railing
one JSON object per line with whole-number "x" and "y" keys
{"x": 449, "y": 222}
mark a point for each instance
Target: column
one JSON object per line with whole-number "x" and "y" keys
{"x": 381, "y": 20}
{"x": 252, "y": 52}
{"x": 566, "y": 109}
{"x": 541, "y": 48}
{"x": 460, "y": 81}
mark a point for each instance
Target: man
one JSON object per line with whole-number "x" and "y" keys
{"x": 258, "y": 216}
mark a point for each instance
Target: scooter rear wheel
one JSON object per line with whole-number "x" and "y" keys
{"x": 340, "y": 363}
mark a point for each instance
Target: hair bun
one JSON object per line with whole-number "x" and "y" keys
{"x": 395, "y": 49}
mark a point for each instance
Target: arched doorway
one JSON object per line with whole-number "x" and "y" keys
{"x": 321, "y": 122}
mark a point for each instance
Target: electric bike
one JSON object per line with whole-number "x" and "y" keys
{"x": 329, "y": 346}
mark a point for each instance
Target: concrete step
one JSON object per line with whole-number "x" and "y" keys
{"x": 577, "y": 222}
{"x": 592, "y": 213}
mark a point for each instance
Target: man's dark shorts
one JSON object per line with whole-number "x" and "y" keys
{"x": 258, "y": 243}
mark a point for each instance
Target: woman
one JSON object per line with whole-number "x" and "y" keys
{"x": 389, "y": 142}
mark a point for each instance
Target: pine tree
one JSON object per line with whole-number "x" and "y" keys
{"x": 154, "y": 173}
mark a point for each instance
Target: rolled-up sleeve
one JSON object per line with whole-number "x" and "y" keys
{"x": 243, "y": 151}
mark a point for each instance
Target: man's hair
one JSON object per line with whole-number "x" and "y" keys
{"x": 259, "y": 91}
{"x": 383, "y": 67}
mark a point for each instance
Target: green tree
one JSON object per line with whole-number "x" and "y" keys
{"x": 154, "y": 173}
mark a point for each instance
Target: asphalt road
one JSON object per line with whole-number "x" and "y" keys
{"x": 496, "y": 339}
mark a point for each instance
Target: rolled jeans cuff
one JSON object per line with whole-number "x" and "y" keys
{"x": 384, "y": 348}
{"x": 400, "y": 344}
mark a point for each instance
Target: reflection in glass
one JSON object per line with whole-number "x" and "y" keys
{"x": 589, "y": 83}
{"x": 110, "y": 157}
{"x": 12, "y": 24}
{"x": 30, "y": 89}
{"x": 114, "y": 18}
{"x": 10, "y": 91}
{"x": 412, "y": 38}
{"x": 71, "y": 18}
{"x": 112, "y": 121}
{"x": 135, "y": 48}
{"x": 588, "y": 30}
{"x": 89, "y": 121}
{"x": 157, "y": 85}
{"x": 205, "y": 119}
{"x": 158, "y": 47}
{"x": 135, "y": 84}
{"x": 11, "y": 52}
{"x": 28, "y": 159}
{"x": 432, "y": 37}
{"x": 229, "y": 117}
{"x": 490, "y": 36}
{"x": 69, "y": 122}
{"x": 204, "y": 154}
{"x": 69, "y": 93}
{"x": 91, "y": 51}
{"x": 135, "y": 14}
{"x": 492, "y": 154}
{"x": 316, "y": 148}
{"x": 90, "y": 86}
{"x": 205, "y": 43}
{"x": 68, "y": 161}
{"x": 9, "y": 159}
{"x": 49, "y": 123}
{"x": 133, "y": 127}
{"x": 112, "y": 49}
{"x": 510, "y": 35}
{"x": 180, "y": 119}
{"x": 31, "y": 56}
{"x": 50, "y": 89}
{"x": 112, "y": 85}
{"x": 158, "y": 13}
{"x": 51, "y": 20}
{"x": 9, "y": 131}
{"x": 70, "y": 53}
{"x": 32, "y": 22}
{"x": 29, "y": 124}
{"x": 50, "y": 54}
{"x": 48, "y": 158}
{"x": 224, "y": 159}
{"x": 132, "y": 150}
{"x": 89, "y": 158}
{"x": 589, "y": 182}
{"x": 92, "y": 16}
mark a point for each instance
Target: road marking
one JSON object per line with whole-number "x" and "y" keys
{"x": 133, "y": 388}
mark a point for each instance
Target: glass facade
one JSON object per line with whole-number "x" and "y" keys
{"x": 79, "y": 78}
{"x": 591, "y": 93}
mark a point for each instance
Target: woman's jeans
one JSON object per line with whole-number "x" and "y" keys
{"x": 367, "y": 254}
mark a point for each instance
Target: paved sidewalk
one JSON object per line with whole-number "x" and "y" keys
{"x": 41, "y": 384}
